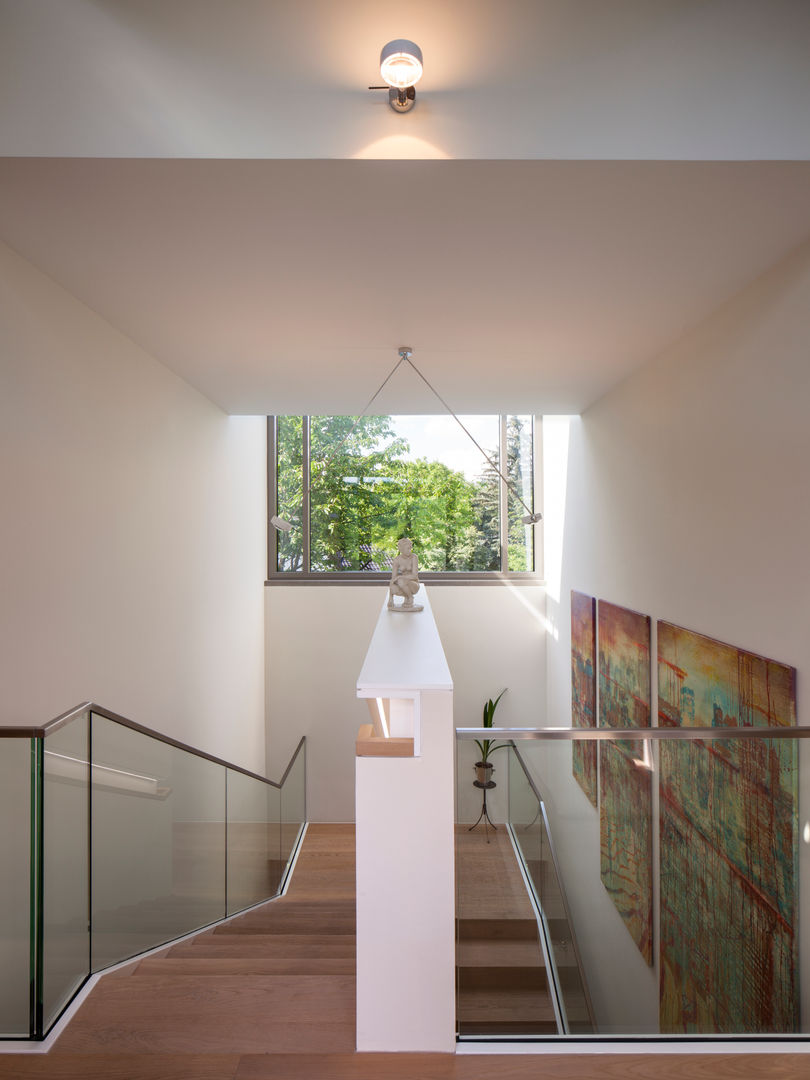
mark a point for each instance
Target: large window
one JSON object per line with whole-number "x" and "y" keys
{"x": 350, "y": 487}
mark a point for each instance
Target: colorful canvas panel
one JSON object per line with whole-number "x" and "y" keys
{"x": 625, "y": 784}
{"x": 583, "y": 690}
{"x": 729, "y": 842}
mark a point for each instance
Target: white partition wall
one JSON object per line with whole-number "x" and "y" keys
{"x": 405, "y": 843}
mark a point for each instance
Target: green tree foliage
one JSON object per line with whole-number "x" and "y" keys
{"x": 352, "y": 468}
{"x": 365, "y": 495}
{"x": 290, "y": 483}
{"x": 520, "y": 537}
{"x": 432, "y": 504}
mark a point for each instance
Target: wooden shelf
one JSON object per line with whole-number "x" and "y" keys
{"x": 369, "y": 744}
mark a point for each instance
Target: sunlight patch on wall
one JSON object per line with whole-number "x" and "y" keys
{"x": 556, "y": 435}
{"x": 518, "y": 594}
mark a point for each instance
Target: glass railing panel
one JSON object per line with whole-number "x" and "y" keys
{"x": 531, "y": 832}
{"x": 158, "y": 850}
{"x": 730, "y": 850}
{"x": 503, "y": 989}
{"x": 16, "y": 759}
{"x": 293, "y": 805}
{"x": 254, "y": 841}
{"x": 604, "y": 854}
{"x": 701, "y": 854}
{"x": 65, "y": 865}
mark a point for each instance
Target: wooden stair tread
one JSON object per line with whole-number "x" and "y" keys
{"x": 504, "y": 1005}
{"x": 271, "y": 914}
{"x": 280, "y": 945}
{"x": 518, "y": 952}
{"x": 517, "y": 1029}
{"x": 225, "y": 1014}
{"x": 511, "y": 979}
{"x": 254, "y": 965}
{"x": 290, "y": 924}
{"x": 497, "y": 929}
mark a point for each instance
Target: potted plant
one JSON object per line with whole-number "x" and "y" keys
{"x": 484, "y": 768}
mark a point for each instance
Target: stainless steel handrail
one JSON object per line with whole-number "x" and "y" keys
{"x": 12, "y": 732}
{"x": 656, "y": 734}
{"x": 558, "y": 874}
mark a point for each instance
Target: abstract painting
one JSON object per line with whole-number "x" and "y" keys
{"x": 729, "y": 842}
{"x": 625, "y": 770}
{"x": 583, "y": 690}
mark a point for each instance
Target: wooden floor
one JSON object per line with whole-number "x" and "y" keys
{"x": 271, "y": 996}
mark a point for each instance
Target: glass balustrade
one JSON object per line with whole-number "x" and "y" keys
{"x": 65, "y": 887}
{"x": 17, "y": 765}
{"x": 158, "y": 835}
{"x": 116, "y": 840}
{"x": 254, "y": 841}
{"x": 293, "y": 804}
{"x": 529, "y": 826}
{"x": 666, "y": 884}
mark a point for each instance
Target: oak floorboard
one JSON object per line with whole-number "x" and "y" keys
{"x": 118, "y": 1066}
{"x": 353, "y": 1066}
{"x": 523, "y": 1067}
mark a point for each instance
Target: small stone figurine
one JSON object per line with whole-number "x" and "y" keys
{"x": 404, "y": 578}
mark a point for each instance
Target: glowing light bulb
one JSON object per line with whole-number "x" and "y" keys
{"x": 401, "y": 63}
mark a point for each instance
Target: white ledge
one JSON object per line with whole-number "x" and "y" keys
{"x": 405, "y": 652}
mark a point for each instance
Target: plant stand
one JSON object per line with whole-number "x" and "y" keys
{"x": 484, "y": 816}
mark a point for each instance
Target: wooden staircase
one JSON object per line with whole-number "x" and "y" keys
{"x": 502, "y": 980}
{"x": 121, "y": 1032}
{"x": 280, "y": 978}
{"x": 502, "y": 984}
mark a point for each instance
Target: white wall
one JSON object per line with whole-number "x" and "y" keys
{"x": 686, "y": 496}
{"x": 513, "y": 79}
{"x": 132, "y": 561}
{"x": 317, "y": 637}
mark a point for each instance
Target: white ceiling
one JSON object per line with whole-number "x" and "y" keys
{"x": 184, "y": 169}
{"x": 280, "y": 286}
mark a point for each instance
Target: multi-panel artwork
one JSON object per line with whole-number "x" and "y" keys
{"x": 583, "y": 690}
{"x": 625, "y": 777}
{"x": 729, "y": 842}
{"x": 729, "y": 817}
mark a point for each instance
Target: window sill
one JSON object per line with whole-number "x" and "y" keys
{"x": 427, "y": 578}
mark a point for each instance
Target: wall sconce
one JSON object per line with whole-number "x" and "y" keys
{"x": 401, "y": 68}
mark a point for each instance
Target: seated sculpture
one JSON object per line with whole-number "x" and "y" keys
{"x": 404, "y": 578}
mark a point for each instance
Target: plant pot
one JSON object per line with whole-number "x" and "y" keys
{"x": 484, "y": 771}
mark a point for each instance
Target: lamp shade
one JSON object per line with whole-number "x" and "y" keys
{"x": 401, "y": 63}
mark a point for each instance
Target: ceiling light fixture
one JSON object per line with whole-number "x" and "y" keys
{"x": 401, "y": 69}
